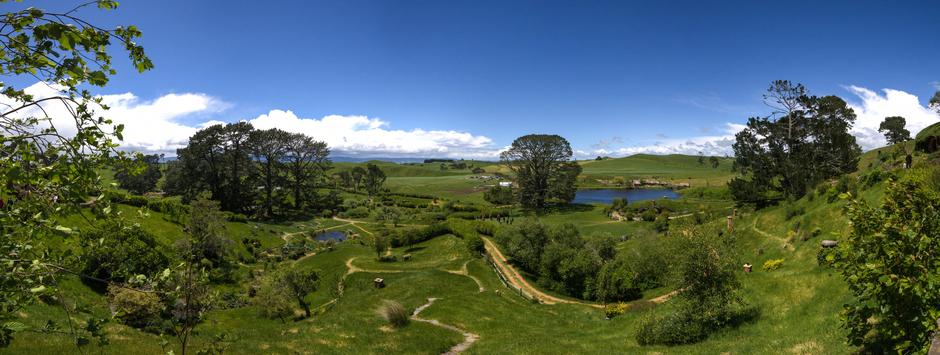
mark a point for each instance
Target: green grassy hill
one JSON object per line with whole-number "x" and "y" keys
{"x": 799, "y": 303}
{"x": 674, "y": 168}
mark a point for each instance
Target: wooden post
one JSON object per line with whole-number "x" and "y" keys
{"x": 730, "y": 223}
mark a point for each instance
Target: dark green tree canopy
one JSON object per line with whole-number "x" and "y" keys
{"x": 894, "y": 131}
{"x": 542, "y": 167}
{"x": 935, "y": 101}
{"x": 141, "y": 175}
{"x": 784, "y": 156}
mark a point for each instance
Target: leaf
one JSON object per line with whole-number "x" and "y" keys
{"x": 39, "y": 289}
{"x": 15, "y": 326}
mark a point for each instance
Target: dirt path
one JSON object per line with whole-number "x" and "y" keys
{"x": 463, "y": 271}
{"x": 354, "y": 224}
{"x": 517, "y": 280}
{"x": 764, "y": 234}
{"x": 469, "y": 338}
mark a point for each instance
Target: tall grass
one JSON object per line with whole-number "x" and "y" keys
{"x": 394, "y": 313}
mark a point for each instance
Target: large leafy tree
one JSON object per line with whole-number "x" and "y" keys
{"x": 893, "y": 129}
{"x": 307, "y": 162}
{"x": 373, "y": 179}
{"x": 543, "y": 168}
{"x": 141, "y": 175}
{"x": 269, "y": 148}
{"x": 51, "y": 147}
{"x": 891, "y": 262}
{"x": 804, "y": 142}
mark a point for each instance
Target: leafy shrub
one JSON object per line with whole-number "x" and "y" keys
{"x": 113, "y": 251}
{"x": 661, "y": 224}
{"x": 772, "y": 264}
{"x": 498, "y": 195}
{"x": 615, "y": 282}
{"x": 673, "y": 329}
{"x": 136, "y": 308}
{"x": 648, "y": 215}
{"x": 615, "y": 309}
{"x": 394, "y": 313}
{"x": 475, "y": 245}
{"x": 357, "y": 212}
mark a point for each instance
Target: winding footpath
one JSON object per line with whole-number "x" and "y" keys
{"x": 518, "y": 281}
{"x": 464, "y": 272}
{"x": 469, "y": 338}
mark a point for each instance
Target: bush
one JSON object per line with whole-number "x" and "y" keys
{"x": 475, "y": 245}
{"x": 772, "y": 264}
{"x": 498, "y": 195}
{"x": 661, "y": 224}
{"x": 113, "y": 251}
{"x": 673, "y": 329}
{"x": 613, "y": 310}
{"x": 394, "y": 313}
{"x": 357, "y": 212}
{"x": 135, "y": 308}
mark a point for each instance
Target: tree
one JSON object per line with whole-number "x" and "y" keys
{"x": 498, "y": 195}
{"x": 307, "y": 160}
{"x": 207, "y": 244}
{"x": 542, "y": 167}
{"x": 525, "y": 242}
{"x": 935, "y": 101}
{"x": 357, "y": 174}
{"x": 379, "y": 245}
{"x": 51, "y": 146}
{"x": 269, "y": 147}
{"x": 891, "y": 262}
{"x": 703, "y": 271}
{"x": 715, "y": 162}
{"x": 894, "y": 131}
{"x": 785, "y": 156}
{"x": 373, "y": 180}
{"x": 615, "y": 282}
{"x": 701, "y": 158}
{"x": 298, "y": 283}
{"x": 117, "y": 252}
{"x": 141, "y": 175}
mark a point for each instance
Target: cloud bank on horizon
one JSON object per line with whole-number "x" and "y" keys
{"x": 160, "y": 126}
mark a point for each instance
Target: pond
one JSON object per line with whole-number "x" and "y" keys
{"x": 331, "y": 235}
{"x": 607, "y": 196}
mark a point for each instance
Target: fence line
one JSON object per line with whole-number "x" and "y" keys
{"x": 505, "y": 280}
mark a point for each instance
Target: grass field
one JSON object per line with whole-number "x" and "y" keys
{"x": 798, "y": 304}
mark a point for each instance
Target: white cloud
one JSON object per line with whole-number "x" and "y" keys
{"x": 149, "y": 126}
{"x": 372, "y": 136}
{"x": 708, "y": 145}
{"x": 873, "y": 109}
{"x": 156, "y": 126}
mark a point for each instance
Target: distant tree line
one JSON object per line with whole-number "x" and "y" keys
{"x": 371, "y": 178}
{"x": 249, "y": 170}
{"x": 804, "y": 141}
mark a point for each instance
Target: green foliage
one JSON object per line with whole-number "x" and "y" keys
{"x": 498, "y": 195}
{"x": 661, "y": 223}
{"x": 474, "y": 244}
{"x": 117, "y": 252}
{"x": 231, "y": 160}
{"x": 894, "y": 131}
{"x": 137, "y": 308}
{"x": 542, "y": 167}
{"x": 394, "y": 313}
{"x": 207, "y": 244}
{"x": 890, "y": 262}
{"x": 141, "y": 175}
{"x": 46, "y": 173}
{"x": 808, "y": 143}
{"x": 374, "y": 179}
{"x": 616, "y": 282}
{"x": 292, "y": 284}
{"x": 703, "y": 264}
{"x": 772, "y": 264}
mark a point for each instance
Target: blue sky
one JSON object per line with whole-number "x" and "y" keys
{"x": 614, "y": 77}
